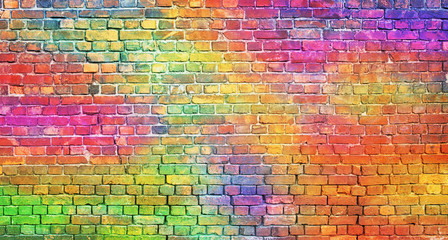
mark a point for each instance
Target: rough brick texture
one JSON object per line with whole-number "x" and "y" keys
{"x": 229, "y": 119}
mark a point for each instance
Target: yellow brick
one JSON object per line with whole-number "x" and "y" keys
{"x": 116, "y": 46}
{"x": 149, "y": 24}
{"x": 228, "y": 88}
{"x": 158, "y": 68}
{"x": 225, "y": 67}
{"x": 211, "y": 89}
{"x": 208, "y": 99}
{"x": 206, "y": 57}
{"x": 433, "y": 178}
{"x": 135, "y": 35}
{"x": 91, "y": 68}
{"x": 101, "y": 35}
{"x": 108, "y": 68}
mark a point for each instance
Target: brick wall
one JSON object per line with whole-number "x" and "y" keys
{"x": 223, "y": 119}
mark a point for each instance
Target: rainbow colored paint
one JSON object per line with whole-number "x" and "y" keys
{"x": 229, "y": 119}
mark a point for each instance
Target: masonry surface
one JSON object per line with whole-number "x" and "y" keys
{"x": 223, "y": 119}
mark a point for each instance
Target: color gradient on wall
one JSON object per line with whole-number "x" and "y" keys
{"x": 224, "y": 119}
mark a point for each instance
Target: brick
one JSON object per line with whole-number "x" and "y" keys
{"x": 213, "y": 220}
{"x": 135, "y": 35}
{"x": 247, "y": 200}
{"x": 101, "y": 35}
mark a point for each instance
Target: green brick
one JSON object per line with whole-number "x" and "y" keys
{"x": 194, "y": 210}
{"x": 5, "y": 200}
{"x": 68, "y": 35}
{"x": 43, "y": 229}
{"x": 11, "y": 210}
{"x": 5, "y": 220}
{"x": 182, "y": 200}
{"x": 178, "y": 210}
{"x": 57, "y": 200}
{"x": 26, "y": 200}
{"x": 99, "y": 210}
{"x": 213, "y": 220}
{"x": 130, "y": 210}
{"x": 146, "y": 210}
{"x": 191, "y": 109}
{"x": 172, "y": 57}
{"x": 28, "y": 229}
{"x": 83, "y": 210}
{"x": 115, "y": 210}
{"x": 176, "y": 67}
{"x": 87, "y": 200}
{"x": 101, "y": 35}
{"x": 150, "y": 179}
{"x": 193, "y": 67}
{"x": 137, "y": 57}
{"x": 181, "y": 180}
{"x": 162, "y": 210}
{"x": 68, "y": 210}
{"x": 149, "y": 220}
{"x": 31, "y": 219}
{"x": 40, "y": 210}
{"x": 10, "y": 190}
{"x": 55, "y": 219}
{"x": 54, "y": 209}
{"x": 25, "y": 210}
{"x": 181, "y": 220}
{"x": 13, "y": 230}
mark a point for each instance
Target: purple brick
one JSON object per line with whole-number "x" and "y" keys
{"x": 370, "y": 35}
{"x": 434, "y": 35}
{"x": 399, "y": 35}
{"x": 438, "y": 14}
{"x": 331, "y": 13}
{"x": 378, "y": 13}
{"x": 400, "y": 14}
{"x": 294, "y": 13}
{"x": 249, "y": 200}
